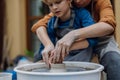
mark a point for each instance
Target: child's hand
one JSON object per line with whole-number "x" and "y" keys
{"x": 46, "y": 53}
{"x": 54, "y": 57}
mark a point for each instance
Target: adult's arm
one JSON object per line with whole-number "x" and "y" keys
{"x": 41, "y": 23}
{"x": 104, "y": 12}
{"x": 106, "y": 24}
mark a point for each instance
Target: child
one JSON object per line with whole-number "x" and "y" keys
{"x": 64, "y": 20}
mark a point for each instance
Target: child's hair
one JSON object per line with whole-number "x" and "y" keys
{"x": 49, "y": 1}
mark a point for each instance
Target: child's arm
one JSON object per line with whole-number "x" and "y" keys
{"x": 43, "y": 36}
{"x": 48, "y": 45}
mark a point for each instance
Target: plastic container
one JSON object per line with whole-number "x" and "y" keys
{"x": 31, "y": 71}
{"x": 5, "y": 76}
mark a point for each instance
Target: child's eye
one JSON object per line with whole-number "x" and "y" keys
{"x": 58, "y": 2}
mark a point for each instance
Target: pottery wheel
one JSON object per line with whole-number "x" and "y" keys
{"x": 58, "y": 68}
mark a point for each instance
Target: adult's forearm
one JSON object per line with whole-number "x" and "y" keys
{"x": 43, "y": 36}
{"x": 97, "y": 30}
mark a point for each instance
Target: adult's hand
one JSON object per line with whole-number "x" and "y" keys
{"x": 63, "y": 45}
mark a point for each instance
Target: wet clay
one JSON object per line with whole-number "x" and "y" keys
{"x": 58, "y": 68}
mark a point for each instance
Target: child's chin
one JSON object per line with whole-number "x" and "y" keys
{"x": 58, "y": 16}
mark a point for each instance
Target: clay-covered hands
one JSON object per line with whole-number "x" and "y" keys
{"x": 46, "y": 53}
{"x": 62, "y": 47}
{"x": 53, "y": 59}
{"x": 57, "y": 54}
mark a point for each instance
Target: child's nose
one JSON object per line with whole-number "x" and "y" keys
{"x": 54, "y": 6}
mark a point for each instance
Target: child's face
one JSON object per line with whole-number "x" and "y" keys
{"x": 60, "y": 8}
{"x": 81, "y": 3}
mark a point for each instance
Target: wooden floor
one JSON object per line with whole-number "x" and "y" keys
{"x": 95, "y": 59}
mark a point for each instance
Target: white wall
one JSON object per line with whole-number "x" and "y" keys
{"x": 117, "y": 14}
{"x": 16, "y": 26}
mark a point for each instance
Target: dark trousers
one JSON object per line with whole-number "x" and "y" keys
{"x": 109, "y": 56}
{"x": 111, "y": 63}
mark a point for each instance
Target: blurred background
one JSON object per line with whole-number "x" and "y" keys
{"x": 16, "y": 20}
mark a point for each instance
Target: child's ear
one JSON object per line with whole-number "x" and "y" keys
{"x": 70, "y": 2}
